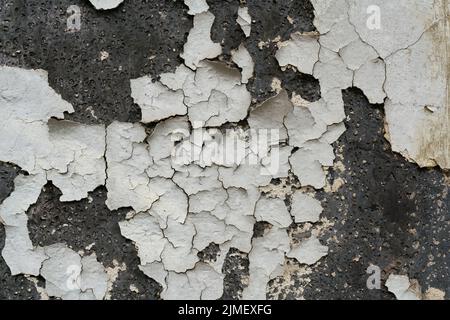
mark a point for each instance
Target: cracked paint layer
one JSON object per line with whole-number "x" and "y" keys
{"x": 163, "y": 230}
{"x": 211, "y": 96}
{"x": 67, "y": 153}
{"x": 403, "y": 63}
{"x": 172, "y": 169}
{"x": 212, "y": 189}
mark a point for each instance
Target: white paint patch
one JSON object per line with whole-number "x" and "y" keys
{"x": 309, "y": 251}
{"x": 244, "y": 20}
{"x": 196, "y": 6}
{"x": 184, "y": 194}
{"x": 199, "y": 45}
{"x": 244, "y": 61}
{"x": 305, "y": 208}
{"x": 301, "y": 52}
{"x": 402, "y": 288}
{"x": 106, "y": 4}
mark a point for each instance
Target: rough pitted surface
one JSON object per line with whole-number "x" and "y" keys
{"x": 17, "y": 287}
{"x": 378, "y": 208}
{"x": 7, "y": 174}
{"x": 89, "y": 226}
{"x": 12, "y": 287}
{"x": 139, "y": 37}
{"x": 271, "y": 25}
{"x": 392, "y": 208}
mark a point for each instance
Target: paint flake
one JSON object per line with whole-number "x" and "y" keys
{"x": 244, "y": 20}
{"x": 273, "y": 211}
{"x": 266, "y": 261}
{"x": 402, "y": 287}
{"x": 244, "y": 61}
{"x": 106, "y": 4}
{"x": 182, "y": 204}
{"x": 199, "y": 45}
{"x": 301, "y": 51}
{"x": 305, "y": 208}
{"x": 309, "y": 251}
{"x": 157, "y": 102}
{"x": 196, "y": 6}
{"x": 128, "y": 157}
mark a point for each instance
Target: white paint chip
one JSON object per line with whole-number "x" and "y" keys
{"x": 244, "y": 61}
{"x": 402, "y": 288}
{"x": 199, "y": 45}
{"x": 357, "y": 53}
{"x": 196, "y": 6}
{"x": 216, "y": 96}
{"x": 309, "y": 251}
{"x": 157, "y": 102}
{"x": 70, "y": 277}
{"x": 18, "y": 252}
{"x": 307, "y": 163}
{"x": 266, "y": 262}
{"x": 301, "y": 51}
{"x": 305, "y": 208}
{"x": 273, "y": 211}
{"x": 128, "y": 157}
{"x": 106, "y": 4}
{"x": 244, "y": 20}
{"x": 270, "y": 115}
{"x": 370, "y": 78}
{"x": 201, "y": 283}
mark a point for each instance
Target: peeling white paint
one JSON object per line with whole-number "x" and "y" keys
{"x": 305, "y": 208}
{"x": 301, "y": 51}
{"x": 403, "y": 62}
{"x": 402, "y": 288}
{"x": 69, "y": 154}
{"x": 196, "y": 6}
{"x": 106, "y": 4}
{"x": 244, "y": 20}
{"x": 273, "y": 211}
{"x": 307, "y": 163}
{"x": 244, "y": 61}
{"x": 309, "y": 251}
{"x": 184, "y": 194}
{"x": 128, "y": 158}
{"x": 157, "y": 102}
{"x": 266, "y": 262}
{"x": 417, "y": 82}
{"x": 199, "y": 45}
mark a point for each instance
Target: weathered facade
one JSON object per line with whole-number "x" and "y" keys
{"x": 204, "y": 149}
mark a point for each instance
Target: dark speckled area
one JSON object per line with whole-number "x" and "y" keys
{"x": 270, "y": 24}
{"x": 389, "y": 212}
{"x": 8, "y": 172}
{"x": 83, "y": 223}
{"x": 139, "y": 35}
{"x": 17, "y": 287}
